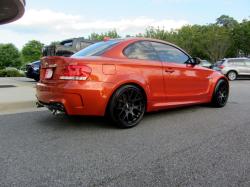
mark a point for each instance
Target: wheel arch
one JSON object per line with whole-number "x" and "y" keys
{"x": 215, "y": 83}
{"x": 216, "y": 77}
{"x": 214, "y": 102}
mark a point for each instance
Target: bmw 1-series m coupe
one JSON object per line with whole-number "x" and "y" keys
{"x": 126, "y": 77}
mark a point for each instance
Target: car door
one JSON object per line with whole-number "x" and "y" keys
{"x": 146, "y": 61}
{"x": 182, "y": 81}
{"x": 247, "y": 61}
{"x": 241, "y": 66}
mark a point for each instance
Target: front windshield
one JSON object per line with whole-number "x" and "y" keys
{"x": 98, "y": 49}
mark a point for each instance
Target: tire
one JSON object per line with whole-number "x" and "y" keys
{"x": 127, "y": 106}
{"x": 231, "y": 75}
{"x": 221, "y": 93}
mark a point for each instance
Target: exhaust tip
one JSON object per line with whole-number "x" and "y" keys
{"x": 53, "y": 112}
{"x": 38, "y": 105}
{"x": 56, "y": 112}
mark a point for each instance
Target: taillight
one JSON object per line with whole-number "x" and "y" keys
{"x": 75, "y": 73}
{"x": 221, "y": 67}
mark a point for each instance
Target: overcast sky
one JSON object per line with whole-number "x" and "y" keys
{"x": 56, "y": 20}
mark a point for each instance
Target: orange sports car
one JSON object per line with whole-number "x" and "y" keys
{"x": 126, "y": 77}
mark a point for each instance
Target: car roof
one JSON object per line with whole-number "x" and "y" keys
{"x": 35, "y": 62}
{"x": 233, "y": 58}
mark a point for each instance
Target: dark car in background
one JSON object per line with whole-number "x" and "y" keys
{"x": 206, "y": 64}
{"x": 32, "y": 70}
{"x": 67, "y": 47}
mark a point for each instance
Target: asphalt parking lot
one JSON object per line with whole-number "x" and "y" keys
{"x": 190, "y": 146}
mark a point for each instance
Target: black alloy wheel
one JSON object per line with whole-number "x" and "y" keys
{"x": 221, "y": 93}
{"x": 127, "y": 106}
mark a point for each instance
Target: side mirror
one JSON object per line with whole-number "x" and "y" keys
{"x": 195, "y": 61}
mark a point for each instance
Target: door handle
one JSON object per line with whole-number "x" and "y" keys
{"x": 170, "y": 70}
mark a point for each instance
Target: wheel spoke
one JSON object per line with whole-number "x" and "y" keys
{"x": 124, "y": 117}
{"x": 120, "y": 112}
{"x": 136, "y": 95}
{"x": 134, "y": 117}
{"x": 137, "y": 99}
{"x": 123, "y": 97}
{"x": 129, "y": 97}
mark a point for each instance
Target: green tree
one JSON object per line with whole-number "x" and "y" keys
{"x": 186, "y": 38}
{"x": 226, "y": 21}
{"x": 241, "y": 35}
{"x": 100, "y": 37}
{"x": 32, "y": 51}
{"x": 215, "y": 41}
{"x": 9, "y": 56}
{"x": 55, "y": 43}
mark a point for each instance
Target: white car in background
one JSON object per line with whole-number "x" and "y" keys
{"x": 233, "y": 67}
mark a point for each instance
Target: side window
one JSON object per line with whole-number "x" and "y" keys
{"x": 240, "y": 62}
{"x": 68, "y": 43}
{"x": 231, "y": 62}
{"x": 169, "y": 53}
{"x": 85, "y": 44}
{"x": 141, "y": 50}
{"x": 247, "y": 61}
{"x": 206, "y": 63}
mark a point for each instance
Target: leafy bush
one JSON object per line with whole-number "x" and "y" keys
{"x": 10, "y": 73}
{"x": 3, "y": 73}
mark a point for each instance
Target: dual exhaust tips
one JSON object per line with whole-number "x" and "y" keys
{"x": 56, "y": 112}
{"x": 55, "y": 108}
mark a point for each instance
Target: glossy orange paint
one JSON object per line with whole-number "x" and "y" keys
{"x": 165, "y": 84}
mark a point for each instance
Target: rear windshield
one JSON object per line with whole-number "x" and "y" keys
{"x": 218, "y": 63}
{"x": 67, "y": 43}
{"x": 98, "y": 49}
{"x": 35, "y": 63}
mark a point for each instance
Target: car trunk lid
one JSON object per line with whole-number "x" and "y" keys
{"x": 51, "y": 68}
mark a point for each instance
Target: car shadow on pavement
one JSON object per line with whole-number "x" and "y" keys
{"x": 98, "y": 122}
{"x": 90, "y": 122}
{"x": 66, "y": 121}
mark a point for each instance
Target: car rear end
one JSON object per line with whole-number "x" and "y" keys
{"x": 72, "y": 86}
{"x": 32, "y": 70}
{"x": 75, "y": 85}
{"x": 221, "y": 66}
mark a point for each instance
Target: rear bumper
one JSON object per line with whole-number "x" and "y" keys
{"x": 31, "y": 75}
{"x": 78, "y": 97}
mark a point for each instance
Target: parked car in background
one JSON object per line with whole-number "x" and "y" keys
{"x": 124, "y": 78}
{"x": 233, "y": 67}
{"x": 10, "y": 68}
{"x": 32, "y": 70}
{"x": 13, "y": 68}
{"x": 206, "y": 64}
{"x": 67, "y": 47}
